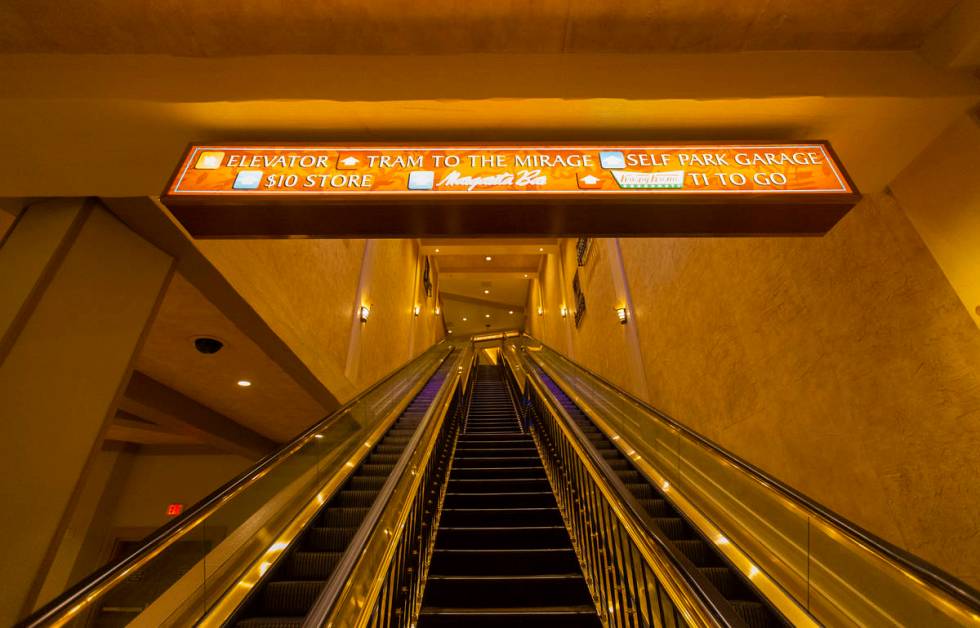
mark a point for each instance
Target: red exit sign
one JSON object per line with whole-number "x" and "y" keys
{"x": 174, "y": 509}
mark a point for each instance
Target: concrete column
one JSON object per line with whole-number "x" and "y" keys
{"x": 79, "y": 290}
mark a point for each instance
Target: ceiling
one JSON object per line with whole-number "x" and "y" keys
{"x": 274, "y": 406}
{"x": 481, "y": 295}
{"x": 222, "y": 28}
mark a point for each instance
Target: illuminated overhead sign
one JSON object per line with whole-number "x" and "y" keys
{"x": 283, "y": 190}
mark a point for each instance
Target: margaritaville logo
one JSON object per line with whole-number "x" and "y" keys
{"x": 657, "y": 169}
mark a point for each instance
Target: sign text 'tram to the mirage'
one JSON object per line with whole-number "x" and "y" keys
{"x": 401, "y": 191}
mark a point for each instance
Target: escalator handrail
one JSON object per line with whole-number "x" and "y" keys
{"x": 97, "y": 582}
{"x": 326, "y": 603}
{"x": 707, "y": 597}
{"x": 945, "y": 582}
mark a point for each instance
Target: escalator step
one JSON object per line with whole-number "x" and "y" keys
{"x": 657, "y": 507}
{"x": 290, "y": 597}
{"x": 329, "y": 539}
{"x": 342, "y": 517}
{"x": 514, "y": 591}
{"x": 673, "y": 527}
{"x": 753, "y": 613}
{"x": 505, "y": 562}
{"x": 371, "y": 469}
{"x": 356, "y": 499}
{"x": 561, "y": 617}
{"x": 641, "y": 490}
{"x": 723, "y": 579}
{"x": 497, "y": 472}
{"x": 271, "y": 622}
{"x": 630, "y": 477}
{"x": 385, "y": 459}
{"x": 366, "y": 483}
{"x": 502, "y": 537}
{"x": 498, "y": 485}
{"x": 698, "y": 552}
{"x": 463, "y": 517}
{"x": 312, "y": 565}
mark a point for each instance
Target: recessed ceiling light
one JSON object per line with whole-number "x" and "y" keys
{"x": 450, "y": 331}
{"x": 525, "y": 275}
{"x": 486, "y": 315}
{"x": 511, "y": 312}
{"x": 437, "y": 250}
{"x": 541, "y": 249}
{"x": 464, "y": 318}
{"x": 488, "y": 258}
{"x": 486, "y": 292}
{"x": 244, "y": 383}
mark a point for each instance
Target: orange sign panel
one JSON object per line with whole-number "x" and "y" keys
{"x": 436, "y": 171}
{"x": 315, "y": 190}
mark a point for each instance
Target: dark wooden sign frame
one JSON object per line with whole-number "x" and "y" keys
{"x": 340, "y": 215}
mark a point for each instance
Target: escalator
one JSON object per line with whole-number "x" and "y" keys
{"x": 285, "y": 596}
{"x": 502, "y": 555}
{"x": 744, "y": 599}
{"x": 530, "y": 493}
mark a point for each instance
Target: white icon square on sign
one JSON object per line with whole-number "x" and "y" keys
{"x": 248, "y": 180}
{"x": 210, "y": 160}
{"x": 612, "y": 159}
{"x": 421, "y": 180}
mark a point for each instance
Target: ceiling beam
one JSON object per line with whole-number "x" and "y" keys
{"x": 128, "y": 428}
{"x": 149, "y": 399}
{"x": 955, "y": 42}
{"x": 459, "y": 298}
{"x": 498, "y": 273}
{"x": 489, "y": 246}
{"x": 152, "y": 221}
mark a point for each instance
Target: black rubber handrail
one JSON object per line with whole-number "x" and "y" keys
{"x": 945, "y": 582}
{"x": 183, "y": 524}
{"x": 720, "y": 608}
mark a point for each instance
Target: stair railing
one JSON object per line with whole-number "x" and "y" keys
{"x": 808, "y": 561}
{"x": 380, "y": 579}
{"x": 230, "y": 528}
{"x": 636, "y": 577}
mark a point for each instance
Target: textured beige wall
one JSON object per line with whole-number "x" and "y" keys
{"x": 547, "y": 291}
{"x": 845, "y": 366}
{"x": 304, "y": 289}
{"x": 155, "y": 480}
{"x": 309, "y": 292}
{"x": 600, "y": 336}
{"x": 393, "y": 334}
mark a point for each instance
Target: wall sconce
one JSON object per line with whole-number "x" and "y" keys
{"x": 417, "y": 310}
{"x": 437, "y": 311}
{"x": 622, "y": 314}
{"x": 540, "y": 311}
{"x": 365, "y": 311}
{"x": 564, "y": 311}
